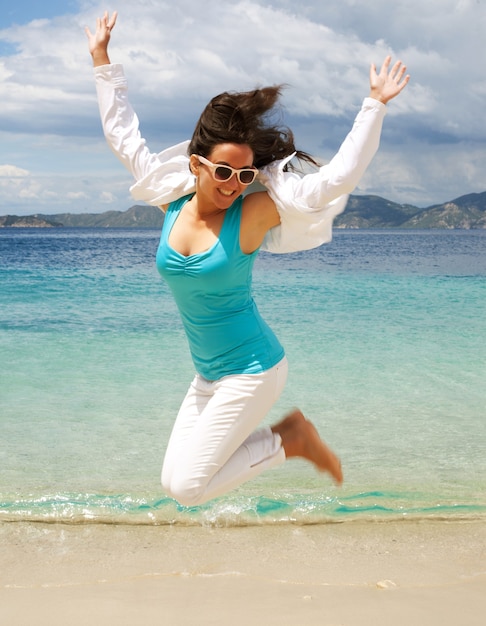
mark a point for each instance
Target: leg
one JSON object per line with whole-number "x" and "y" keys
{"x": 301, "y": 439}
{"x": 213, "y": 447}
{"x": 191, "y": 408}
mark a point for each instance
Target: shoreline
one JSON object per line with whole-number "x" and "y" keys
{"x": 390, "y": 573}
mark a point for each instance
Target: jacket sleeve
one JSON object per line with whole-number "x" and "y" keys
{"x": 308, "y": 204}
{"x": 161, "y": 177}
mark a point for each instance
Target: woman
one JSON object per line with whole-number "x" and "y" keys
{"x": 210, "y": 238}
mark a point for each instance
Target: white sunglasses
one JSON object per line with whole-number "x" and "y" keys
{"x": 220, "y": 173}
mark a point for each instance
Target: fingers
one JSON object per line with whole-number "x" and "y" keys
{"x": 401, "y": 72}
{"x": 398, "y": 75}
{"x": 404, "y": 82}
{"x": 112, "y": 21}
{"x": 104, "y": 26}
{"x": 397, "y": 72}
{"x": 105, "y": 23}
{"x": 385, "y": 65}
{"x": 109, "y": 22}
{"x": 397, "y": 69}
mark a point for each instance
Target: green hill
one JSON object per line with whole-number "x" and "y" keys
{"x": 465, "y": 212}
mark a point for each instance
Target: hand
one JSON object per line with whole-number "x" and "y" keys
{"x": 98, "y": 42}
{"x": 388, "y": 83}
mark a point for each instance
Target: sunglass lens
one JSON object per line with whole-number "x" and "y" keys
{"x": 222, "y": 172}
{"x": 247, "y": 176}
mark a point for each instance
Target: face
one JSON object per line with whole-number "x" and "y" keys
{"x": 222, "y": 194}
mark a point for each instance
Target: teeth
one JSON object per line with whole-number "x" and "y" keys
{"x": 225, "y": 192}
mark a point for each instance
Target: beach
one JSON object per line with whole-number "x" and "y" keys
{"x": 383, "y": 332}
{"x": 359, "y": 573}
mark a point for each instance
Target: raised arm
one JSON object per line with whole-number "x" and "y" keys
{"x": 160, "y": 177}
{"x": 118, "y": 119}
{"x": 320, "y": 196}
{"x": 343, "y": 173}
{"x": 346, "y": 169}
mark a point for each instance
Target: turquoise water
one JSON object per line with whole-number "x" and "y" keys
{"x": 385, "y": 335}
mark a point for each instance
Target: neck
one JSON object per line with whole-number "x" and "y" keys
{"x": 203, "y": 210}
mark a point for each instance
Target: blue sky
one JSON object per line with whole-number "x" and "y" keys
{"x": 24, "y": 11}
{"x": 177, "y": 55}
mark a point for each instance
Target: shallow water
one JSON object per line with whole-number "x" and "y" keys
{"x": 384, "y": 332}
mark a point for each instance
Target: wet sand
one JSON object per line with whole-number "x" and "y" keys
{"x": 383, "y": 573}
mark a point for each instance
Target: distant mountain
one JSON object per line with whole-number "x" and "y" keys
{"x": 136, "y": 217}
{"x": 374, "y": 212}
{"x": 27, "y": 221}
{"x": 465, "y": 212}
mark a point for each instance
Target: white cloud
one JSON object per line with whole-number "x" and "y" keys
{"x": 23, "y": 193}
{"x": 106, "y": 197}
{"x": 11, "y": 171}
{"x": 178, "y": 55}
{"x": 77, "y": 195}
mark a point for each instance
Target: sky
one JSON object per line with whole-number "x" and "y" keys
{"x": 179, "y": 54}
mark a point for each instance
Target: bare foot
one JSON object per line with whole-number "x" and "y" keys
{"x": 301, "y": 439}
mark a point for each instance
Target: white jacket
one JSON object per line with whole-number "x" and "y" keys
{"x": 307, "y": 204}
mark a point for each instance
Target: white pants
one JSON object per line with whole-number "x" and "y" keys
{"x": 214, "y": 446}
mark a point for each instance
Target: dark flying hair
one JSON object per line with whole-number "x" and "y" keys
{"x": 245, "y": 118}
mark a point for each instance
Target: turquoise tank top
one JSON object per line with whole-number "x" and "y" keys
{"x": 212, "y": 290}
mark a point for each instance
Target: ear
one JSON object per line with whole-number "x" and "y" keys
{"x": 194, "y": 164}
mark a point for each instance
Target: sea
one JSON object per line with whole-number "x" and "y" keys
{"x": 385, "y": 333}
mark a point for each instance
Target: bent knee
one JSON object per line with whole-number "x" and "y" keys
{"x": 187, "y": 492}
